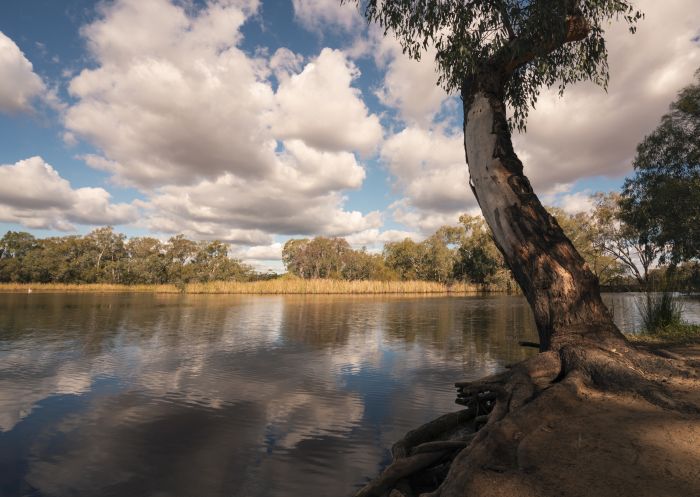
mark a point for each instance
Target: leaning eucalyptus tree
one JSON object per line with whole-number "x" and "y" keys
{"x": 498, "y": 55}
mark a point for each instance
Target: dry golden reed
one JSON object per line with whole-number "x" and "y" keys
{"x": 269, "y": 287}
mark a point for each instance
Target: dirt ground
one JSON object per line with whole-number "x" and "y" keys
{"x": 607, "y": 445}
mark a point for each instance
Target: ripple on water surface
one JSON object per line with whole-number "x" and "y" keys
{"x": 231, "y": 395}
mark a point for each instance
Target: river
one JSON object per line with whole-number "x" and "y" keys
{"x": 243, "y": 396}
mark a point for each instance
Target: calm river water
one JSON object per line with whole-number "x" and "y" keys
{"x": 289, "y": 396}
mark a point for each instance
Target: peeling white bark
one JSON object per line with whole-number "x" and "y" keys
{"x": 561, "y": 289}
{"x": 488, "y": 175}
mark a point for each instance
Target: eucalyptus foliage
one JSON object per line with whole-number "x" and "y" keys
{"x": 526, "y": 44}
{"x": 662, "y": 198}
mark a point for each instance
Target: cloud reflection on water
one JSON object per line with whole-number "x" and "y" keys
{"x": 224, "y": 395}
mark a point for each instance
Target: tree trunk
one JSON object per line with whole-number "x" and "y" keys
{"x": 561, "y": 289}
{"x": 584, "y": 354}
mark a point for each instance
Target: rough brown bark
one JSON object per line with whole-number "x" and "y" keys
{"x": 561, "y": 289}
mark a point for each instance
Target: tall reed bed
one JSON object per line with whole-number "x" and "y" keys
{"x": 270, "y": 287}
{"x": 87, "y": 288}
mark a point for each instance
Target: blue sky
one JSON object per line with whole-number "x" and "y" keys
{"x": 253, "y": 122}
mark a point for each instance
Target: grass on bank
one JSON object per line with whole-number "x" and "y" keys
{"x": 675, "y": 334}
{"x": 662, "y": 322}
{"x": 273, "y": 287}
{"x": 660, "y": 311}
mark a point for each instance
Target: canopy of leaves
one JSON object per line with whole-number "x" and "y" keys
{"x": 663, "y": 196}
{"x": 478, "y": 260}
{"x": 320, "y": 257}
{"x": 531, "y": 43}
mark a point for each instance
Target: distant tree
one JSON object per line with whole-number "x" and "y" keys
{"x": 212, "y": 263}
{"x": 14, "y": 247}
{"x": 179, "y": 252}
{"x": 686, "y": 276}
{"x": 451, "y": 236}
{"x": 104, "y": 256}
{"x": 662, "y": 199}
{"x": 16, "y": 244}
{"x": 66, "y": 259}
{"x": 326, "y": 257}
{"x": 361, "y": 265}
{"x": 320, "y": 257}
{"x": 109, "y": 253}
{"x": 293, "y": 256}
{"x": 404, "y": 258}
{"x": 584, "y": 231}
{"x": 430, "y": 260}
{"x": 630, "y": 245}
{"x": 437, "y": 259}
{"x": 478, "y": 259}
{"x": 147, "y": 263}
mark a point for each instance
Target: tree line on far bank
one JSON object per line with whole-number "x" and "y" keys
{"x": 104, "y": 256}
{"x": 620, "y": 253}
{"x": 617, "y": 252}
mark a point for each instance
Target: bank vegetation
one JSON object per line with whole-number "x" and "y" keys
{"x": 278, "y": 286}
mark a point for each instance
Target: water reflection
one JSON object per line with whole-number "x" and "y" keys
{"x": 232, "y": 395}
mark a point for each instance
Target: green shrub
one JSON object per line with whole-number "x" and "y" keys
{"x": 660, "y": 311}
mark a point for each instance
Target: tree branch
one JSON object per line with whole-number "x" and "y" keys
{"x": 520, "y": 51}
{"x": 506, "y": 21}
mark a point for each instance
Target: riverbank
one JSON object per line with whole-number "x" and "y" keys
{"x": 613, "y": 443}
{"x": 267, "y": 287}
{"x": 575, "y": 437}
{"x": 673, "y": 336}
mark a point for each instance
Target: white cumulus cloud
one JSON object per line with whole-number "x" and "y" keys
{"x": 320, "y": 15}
{"x": 19, "y": 84}
{"x": 431, "y": 173}
{"x": 262, "y": 252}
{"x": 409, "y": 85}
{"x": 33, "y": 194}
{"x": 320, "y": 106}
{"x": 300, "y": 197}
{"x": 174, "y": 100}
{"x": 179, "y": 110}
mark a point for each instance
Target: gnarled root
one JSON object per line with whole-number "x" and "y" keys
{"x": 495, "y": 446}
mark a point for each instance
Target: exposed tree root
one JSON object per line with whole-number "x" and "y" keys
{"x": 440, "y": 446}
{"x": 533, "y": 345}
{"x": 483, "y": 449}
